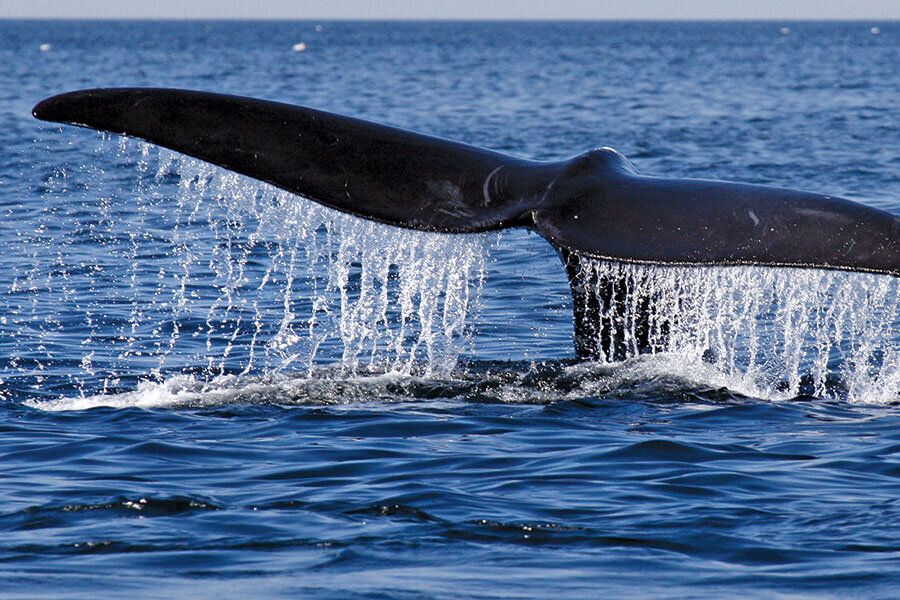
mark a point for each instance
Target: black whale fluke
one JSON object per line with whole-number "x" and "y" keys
{"x": 370, "y": 170}
{"x": 594, "y": 204}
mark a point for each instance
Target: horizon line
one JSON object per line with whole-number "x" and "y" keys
{"x": 466, "y": 19}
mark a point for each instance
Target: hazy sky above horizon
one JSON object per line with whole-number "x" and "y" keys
{"x": 458, "y": 9}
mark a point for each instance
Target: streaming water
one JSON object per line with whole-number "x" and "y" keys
{"x": 207, "y": 274}
{"x": 393, "y": 299}
{"x": 197, "y": 280}
{"x": 768, "y": 332}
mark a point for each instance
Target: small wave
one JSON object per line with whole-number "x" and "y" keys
{"x": 647, "y": 377}
{"x": 326, "y": 386}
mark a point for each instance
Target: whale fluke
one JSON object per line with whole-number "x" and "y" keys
{"x": 592, "y": 205}
{"x": 366, "y": 169}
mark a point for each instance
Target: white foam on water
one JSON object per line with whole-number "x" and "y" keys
{"x": 326, "y": 387}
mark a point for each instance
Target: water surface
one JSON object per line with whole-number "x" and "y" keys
{"x": 211, "y": 387}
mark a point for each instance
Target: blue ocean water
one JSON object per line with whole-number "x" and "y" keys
{"x": 206, "y": 391}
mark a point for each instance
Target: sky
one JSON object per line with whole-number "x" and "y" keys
{"x": 454, "y": 9}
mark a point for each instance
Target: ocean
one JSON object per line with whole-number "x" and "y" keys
{"x": 212, "y": 388}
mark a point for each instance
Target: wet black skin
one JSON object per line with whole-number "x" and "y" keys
{"x": 592, "y": 205}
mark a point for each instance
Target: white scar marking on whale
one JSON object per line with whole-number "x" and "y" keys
{"x": 485, "y": 190}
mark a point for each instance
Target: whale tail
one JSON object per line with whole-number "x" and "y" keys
{"x": 366, "y": 169}
{"x": 594, "y": 205}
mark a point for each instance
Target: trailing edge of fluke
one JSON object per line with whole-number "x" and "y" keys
{"x": 591, "y": 205}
